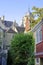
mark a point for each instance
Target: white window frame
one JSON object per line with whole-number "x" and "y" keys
{"x": 38, "y": 38}
{"x": 37, "y": 60}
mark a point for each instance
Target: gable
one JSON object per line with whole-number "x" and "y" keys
{"x": 37, "y": 26}
{"x": 11, "y": 31}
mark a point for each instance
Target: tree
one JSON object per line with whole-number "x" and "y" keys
{"x": 22, "y": 48}
{"x": 37, "y": 16}
{"x": 38, "y": 12}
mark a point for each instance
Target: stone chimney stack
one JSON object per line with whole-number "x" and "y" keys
{"x": 3, "y": 17}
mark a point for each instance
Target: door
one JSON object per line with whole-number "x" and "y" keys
{"x": 41, "y": 61}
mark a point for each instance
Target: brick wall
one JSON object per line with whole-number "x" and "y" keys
{"x": 27, "y": 24}
{"x": 39, "y": 47}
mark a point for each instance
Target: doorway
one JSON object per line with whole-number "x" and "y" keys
{"x": 41, "y": 61}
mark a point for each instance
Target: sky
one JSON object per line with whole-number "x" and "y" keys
{"x": 16, "y": 9}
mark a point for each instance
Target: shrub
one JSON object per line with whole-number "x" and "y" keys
{"x": 22, "y": 49}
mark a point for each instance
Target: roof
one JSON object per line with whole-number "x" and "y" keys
{"x": 7, "y": 23}
{"x": 20, "y": 29}
{"x": 11, "y": 31}
{"x": 37, "y": 26}
{"x": 8, "y": 27}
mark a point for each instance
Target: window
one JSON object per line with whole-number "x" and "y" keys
{"x": 37, "y": 60}
{"x": 38, "y": 36}
{"x": 40, "y": 33}
{"x": 1, "y": 36}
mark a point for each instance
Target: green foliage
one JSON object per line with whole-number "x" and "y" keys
{"x": 37, "y": 16}
{"x": 22, "y": 49}
{"x": 38, "y": 12}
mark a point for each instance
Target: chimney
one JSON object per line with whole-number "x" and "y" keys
{"x": 0, "y": 18}
{"x": 3, "y": 17}
{"x": 15, "y": 23}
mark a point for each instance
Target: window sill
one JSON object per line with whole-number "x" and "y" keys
{"x": 39, "y": 42}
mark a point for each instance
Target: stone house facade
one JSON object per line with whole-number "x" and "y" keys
{"x": 7, "y": 30}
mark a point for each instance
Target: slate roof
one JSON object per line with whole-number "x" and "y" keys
{"x": 20, "y": 29}
{"x": 8, "y": 23}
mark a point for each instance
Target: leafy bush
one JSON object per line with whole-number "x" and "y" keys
{"x": 21, "y": 50}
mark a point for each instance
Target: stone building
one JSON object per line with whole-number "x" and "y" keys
{"x": 7, "y": 30}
